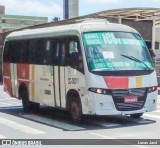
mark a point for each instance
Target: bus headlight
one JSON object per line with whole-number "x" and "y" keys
{"x": 100, "y": 91}
{"x": 151, "y": 89}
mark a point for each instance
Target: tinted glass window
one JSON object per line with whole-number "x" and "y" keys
{"x": 32, "y": 51}
{"x": 14, "y": 49}
{"x": 116, "y": 51}
{"x": 6, "y": 53}
{"x": 51, "y": 53}
{"x": 40, "y": 52}
{"x": 74, "y": 56}
{"x": 24, "y": 54}
{"x": 36, "y": 52}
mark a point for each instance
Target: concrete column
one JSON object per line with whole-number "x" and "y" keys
{"x": 153, "y": 35}
{"x": 70, "y": 8}
{"x": 119, "y": 20}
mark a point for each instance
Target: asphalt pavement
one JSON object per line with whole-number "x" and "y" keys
{"x": 50, "y": 123}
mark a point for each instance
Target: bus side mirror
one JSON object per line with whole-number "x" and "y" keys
{"x": 152, "y": 53}
{"x": 74, "y": 56}
{"x": 73, "y": 59}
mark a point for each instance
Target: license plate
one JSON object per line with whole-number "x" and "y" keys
{"x": 130, "y": 99}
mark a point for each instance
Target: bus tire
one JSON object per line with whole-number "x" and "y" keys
{"x": 25, "y": 100}
{"x": 34, "y": 106}
{"x": 75, "y": 108}
{"x": 136, "y": 115}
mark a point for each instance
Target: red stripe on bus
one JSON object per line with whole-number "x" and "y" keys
{"x": 7, "y": 86}
{"x": 117, "y": 82}
{"x": 6, "y": 69}
{"x": 23, "y": 72}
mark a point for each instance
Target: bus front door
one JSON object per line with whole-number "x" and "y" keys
{"x": 14, "y": 79}
{"x": 59, "y": 86}
{"x": 59, "y": 77}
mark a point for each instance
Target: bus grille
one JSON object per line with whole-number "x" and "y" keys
{"x": 121, "y": 105}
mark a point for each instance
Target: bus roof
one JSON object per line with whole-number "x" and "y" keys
{"x": 89, "y": 25}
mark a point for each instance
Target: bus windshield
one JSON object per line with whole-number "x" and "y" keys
{"x": 113, "y": 51}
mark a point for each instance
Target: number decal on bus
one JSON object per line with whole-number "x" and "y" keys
{"x": 73, "y": 80}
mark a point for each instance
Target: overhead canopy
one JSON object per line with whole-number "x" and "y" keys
{"x": 136, "y": 14}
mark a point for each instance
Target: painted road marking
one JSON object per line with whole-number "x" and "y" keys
{"x": 3, "y": 93}
{"x": 158, "y": 106}
{"x": 3, "y": 103}
{"x": 12, "y": 102}
{"x": 102, "y": 136}
{"x": 18, "y": 126}
{"x": 157, "y": 111}
{"x": 8, "y": 99}
{"x": 152, "y": 116}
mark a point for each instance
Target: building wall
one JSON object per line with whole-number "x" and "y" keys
{"x": 146, "y": 31}
{"x": 143, "y": 27}
{"x": 112, "y": 20}
{"x": 24, "y": 22}
{"x": 2, "y": 9}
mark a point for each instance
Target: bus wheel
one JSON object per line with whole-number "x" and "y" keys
{"x": 34, "y": 106}
{"x": 136, "y": 115}
{"x": 25, "y": 101}
{"x": 75, "y": 110}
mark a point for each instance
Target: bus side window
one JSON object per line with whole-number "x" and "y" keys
{"x": 74, "y": 58}
{"x": 32, "y": 52}
{"x": 6, "y": 53}
{"x": 24, "y": 55}
{"x": 40, "y": 52}
{"x": 63, "y": 54}
{"x": 54, "y": 52}
{"x": 72, "y": 53}
{"x": 15, "y": 47}
{"x": 49, "y": 53}
{"x": 36, "y": 52}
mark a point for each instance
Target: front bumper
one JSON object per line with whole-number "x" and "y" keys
{"x": 104, "y": 105}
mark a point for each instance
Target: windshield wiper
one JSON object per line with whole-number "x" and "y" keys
{"x": 135, "y": 59}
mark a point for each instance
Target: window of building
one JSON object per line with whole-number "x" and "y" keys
{"x": 23, "y": 22}
{"x": 36, "y": 23}
{"x": 3, "y": 21}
